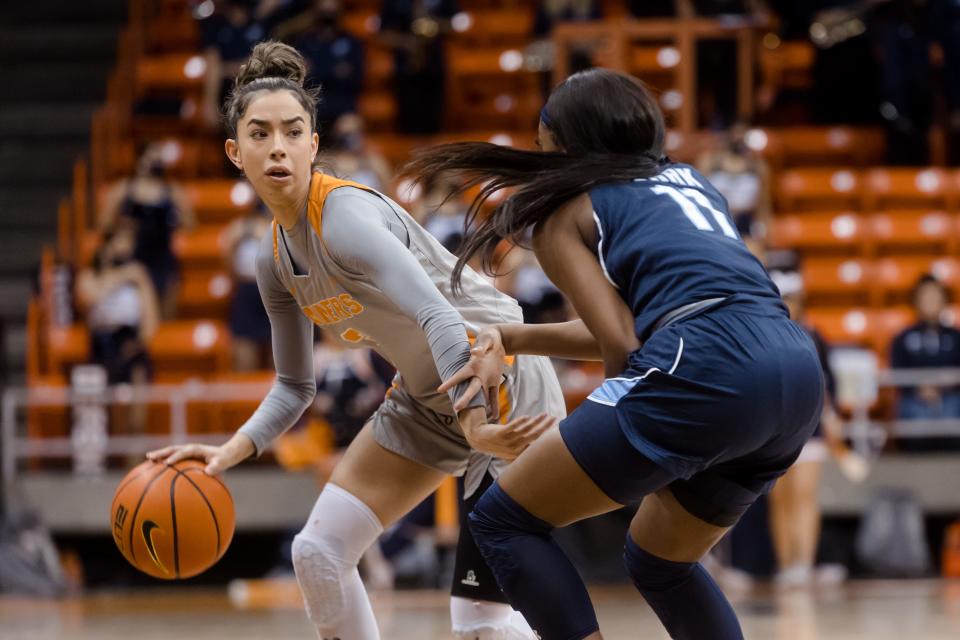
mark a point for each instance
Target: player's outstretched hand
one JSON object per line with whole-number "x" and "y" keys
{"x": 484, "y": 372}
{"x": 507, "y": 441}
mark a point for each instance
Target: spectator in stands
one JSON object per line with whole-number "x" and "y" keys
{"x": 794, "y": 504}
{"x": 228, "y": 37}
{"x": 416, "y": 30}
{"x": 249, "y": 324}
{"x": 743, "y": 178}
{"x": 153, "y": 207}
{"x": 351, "y": 156}
{"x": 928, "y": 344}
{"x": 334, "y": 56}
{"x": 120, "y": 305}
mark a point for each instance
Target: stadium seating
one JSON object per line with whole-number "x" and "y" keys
{"x": 816, "y": 189}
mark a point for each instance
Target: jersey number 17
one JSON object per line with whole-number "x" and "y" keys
{"x": 694, "y": 205}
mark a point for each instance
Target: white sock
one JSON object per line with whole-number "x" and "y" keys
{"x": 325, "y": 557}
{"x": 483, "y": 620}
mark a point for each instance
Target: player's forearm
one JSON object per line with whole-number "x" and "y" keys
{"x": 279, "y": 411}
{"x": 570, "y": 340}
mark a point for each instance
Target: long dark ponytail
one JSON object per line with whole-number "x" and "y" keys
{"x": 609, "y": 128}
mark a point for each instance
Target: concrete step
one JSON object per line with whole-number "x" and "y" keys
{"x": 70, "y": 80}
{"x": 31, "y": 208}
{"x": 67, "y": 120}
{"x": 15, "y": 292}
{"x": 22, "y": 253}
{"x": 38, "y": 163}
{"x": 15, "y": 356}
{"x": 57, "y": 42}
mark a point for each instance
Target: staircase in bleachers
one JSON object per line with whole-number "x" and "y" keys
{"x": 55, "y": 56}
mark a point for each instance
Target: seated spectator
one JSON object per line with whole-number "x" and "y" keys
{"x": 249, "y": 324}
{"x": 794, "y": 503}
{"x": 744, "y": 180}
{"x": 120, "y": 306}
{"x": 228, "y": 37}
{"x": 334, "y": 56}
{"x": 153, "y": 207}
{"x": 930, "y": 343}
{"x": 352, "y": 158}
{"x": 416, "y": 31}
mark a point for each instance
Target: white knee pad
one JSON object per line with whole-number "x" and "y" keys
{"x": 327, "y": 550}
{"x": 481, "y": 620}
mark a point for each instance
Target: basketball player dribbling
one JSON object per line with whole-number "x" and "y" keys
{"x": 345, "y": 257}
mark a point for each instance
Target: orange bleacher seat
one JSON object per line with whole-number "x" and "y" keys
{"x": 788, "y": 64}
{"x": 901, "y": 188}
{"x": 830, "y": 146}
{"x": 818, "y": 190}
{"x": 361, "y": 24}
{"x": 184, "y": 349}
{"x": 932, "y": 232}
{"x": 67, "y": 346}
{"x": 837, "y": 280}
{"x": 490, "y": 88}
{"x": 200, "y": 251}
{"x": 494, "y": 27}
{"x": 894, "y": 277}
{"x": 819, "y": 233}
{"x": 851, "y": 326}
{"x": 177, "y": 73}
{"x": 204, "y": 295}
{"x": 219, "y": 201}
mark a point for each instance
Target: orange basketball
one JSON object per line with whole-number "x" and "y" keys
{"x": 172, "y": 521}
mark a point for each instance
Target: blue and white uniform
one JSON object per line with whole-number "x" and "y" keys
{"x": 726, "y": 389}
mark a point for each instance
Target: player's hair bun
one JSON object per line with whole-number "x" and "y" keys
{"x": 272, "y": 60}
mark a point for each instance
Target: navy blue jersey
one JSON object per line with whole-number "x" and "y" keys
{"x": 669, "y": 241}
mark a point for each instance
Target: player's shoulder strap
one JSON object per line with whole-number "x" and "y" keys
{"x": 321, "y": 185}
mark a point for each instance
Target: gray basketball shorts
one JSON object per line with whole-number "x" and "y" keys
{"x": 410, "y": 429}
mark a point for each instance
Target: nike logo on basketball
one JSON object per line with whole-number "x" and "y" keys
{"x": 147, "y": 529}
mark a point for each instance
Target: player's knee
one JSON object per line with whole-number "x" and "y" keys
{"x": 497, "y": 516}
{"x": 319, "y": 573}
{"x": 651, "y": 573}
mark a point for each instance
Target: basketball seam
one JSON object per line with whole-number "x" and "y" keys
{"x": 133, "y": 519}
{"x": 173, "y": 520}
{"x": 213, "y": 514}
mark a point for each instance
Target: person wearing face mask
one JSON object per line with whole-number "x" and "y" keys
{"x": 121, "y": 308}
{"x": 928, "y": 344}
{"x": 152, "y": 207}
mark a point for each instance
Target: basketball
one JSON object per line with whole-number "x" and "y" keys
{"x": 172, "y": 521}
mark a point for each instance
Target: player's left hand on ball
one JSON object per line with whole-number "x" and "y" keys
{"x": 213, "y": 456}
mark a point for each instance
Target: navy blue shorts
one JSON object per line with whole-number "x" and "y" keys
{"x": 716, "y": 407}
